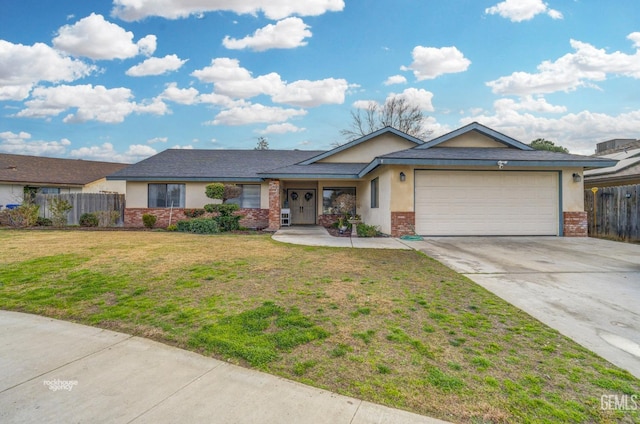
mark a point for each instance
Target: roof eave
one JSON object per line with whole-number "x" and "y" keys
{"x": 185, "y": 179}
{"x": 475, "y": 126}
{"x": 480, "y": 162}
{"x": 311, "y": 176}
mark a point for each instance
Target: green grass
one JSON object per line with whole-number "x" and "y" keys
{"x": 393, "y": 327}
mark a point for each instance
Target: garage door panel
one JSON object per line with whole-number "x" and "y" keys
{"x": 486, "y": 203}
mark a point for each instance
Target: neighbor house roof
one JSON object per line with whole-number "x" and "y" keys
{"x": 624, "y": 169}
{"x": 210, "y": 165}
{"x": 38, "y": 170}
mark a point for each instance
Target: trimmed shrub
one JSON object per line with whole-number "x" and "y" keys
{"x": 88, "y": 219}
{"x": 228, "y": 222}
{"x": 193, "y": 213}
{"x": 365, "y": 230}
{"x": 172, "y": 227}
{"x": 149, "y": 220}
{"x": 214, "y": 191}
{"x": 44, "y": 222}
{"x": 199, "y": 226}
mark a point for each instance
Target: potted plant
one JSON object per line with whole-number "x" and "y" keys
{"x": 345, "y": 204}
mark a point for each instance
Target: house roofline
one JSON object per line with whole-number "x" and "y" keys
{"x": 475, "y": 126}
{"x": 483, "y": 162}
{"x": 185, "y": 179}
{"x": 360, "y": 140}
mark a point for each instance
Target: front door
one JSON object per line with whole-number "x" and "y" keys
{"x": 302, "y": 203}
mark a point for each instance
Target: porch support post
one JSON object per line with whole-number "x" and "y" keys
{"x": 274, "y": 205}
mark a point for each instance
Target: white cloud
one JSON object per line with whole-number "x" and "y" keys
{"x": 157, "y": 140}
{"x": 133, "y": 10}
{"x": 571, "y": 71}
{"x": 312, "y": 93}
{"x": 236, "y": 82}
{"x": 364, "y": 104}
{"x": 418, "y": 97}
{"x": 185, "y": 96}
{"x": 395, "y": 79}
{"x": 90, "y": 103}
{"x": 96, "y": 38}
{"x": 255, "y": 113}
{"x": 579, "y": 132}
{"x": 538, "y": 104}
{"x": 288, "y": 33}
{"x": 22, "y": 144}
{"x": 156, "y": 66}
{"x": 107, "y": 153}
{"x": 22, "y": 67}
{"x": 431, "y": 62}
{"x": 522, "y": 10}
{"x": 281, "y": 129}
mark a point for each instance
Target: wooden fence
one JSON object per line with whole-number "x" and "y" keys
{"x": 84, "y": 203}
{"x": 614, "y": 212}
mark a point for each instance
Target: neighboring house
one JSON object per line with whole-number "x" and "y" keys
{"x": 472, "y": 181}
{"x": 36, "y": 174}
{"x": 625, "y": 172}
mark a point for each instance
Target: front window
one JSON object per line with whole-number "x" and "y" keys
{"x": 250, "y": 197}
{"x": 375, "y": 193}
{"x": 166, "y": 195}
{"x": 330, "y": 194}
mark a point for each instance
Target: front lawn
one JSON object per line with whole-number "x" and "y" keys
{"x": 392, "y": 327}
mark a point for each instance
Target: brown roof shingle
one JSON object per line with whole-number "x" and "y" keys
{"x": 43, "y": 170}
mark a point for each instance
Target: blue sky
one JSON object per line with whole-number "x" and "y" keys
{"x": 121, "y": 80}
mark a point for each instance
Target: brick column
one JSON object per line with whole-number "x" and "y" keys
{"x": 575, "y": 224}
{"x": 402, "y": 223}
{"x": 274, "y": 205}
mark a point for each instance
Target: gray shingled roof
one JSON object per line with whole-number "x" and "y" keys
{"x": 317, "y": 170}
{"x": 38, "y": 170}
{"x": 206, "y": 165}
{"x": 460, "y": 154}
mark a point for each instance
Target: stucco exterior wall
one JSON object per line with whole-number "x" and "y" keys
{"x": 104, "y": 186}
{"x": 367, "y": 151}
{"x": 572, "y": 192}
{"x": 195, "y": 197}
{"x": 471, "y": 139}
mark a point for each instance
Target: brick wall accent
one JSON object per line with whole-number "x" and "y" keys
{"x": 402, "y": 223}
{"x": 133, "y": 216}
{"x": 274, "y": 206}
{"x": 253, "y": 218}
{"x": 575, "y": 224}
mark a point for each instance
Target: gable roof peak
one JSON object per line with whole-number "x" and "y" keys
{"x": 364, "y": 138}
{"x": 482, "y": 129}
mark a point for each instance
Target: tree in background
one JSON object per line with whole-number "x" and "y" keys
{"x": 542, "y": 144}
{"x": 263, "y": 144}
{"x": 396, "y": 112}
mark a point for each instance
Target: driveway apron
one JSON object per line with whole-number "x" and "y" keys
{"x": 588, "y": 289}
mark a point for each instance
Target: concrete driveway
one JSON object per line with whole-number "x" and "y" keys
{"x": 588, "y": 289}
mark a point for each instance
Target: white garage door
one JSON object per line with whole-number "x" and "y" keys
{"x": 486, "y": 203}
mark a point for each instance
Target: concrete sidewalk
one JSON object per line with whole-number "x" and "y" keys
{"x": 315, "y": 235}
{"x": 56, "y": 371}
